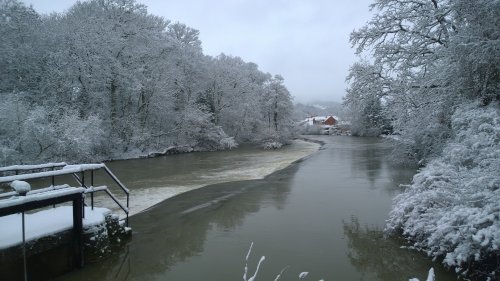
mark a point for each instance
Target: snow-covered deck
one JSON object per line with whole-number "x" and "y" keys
{"x": 45, "y": 223}
{"x": 42, "y": 223}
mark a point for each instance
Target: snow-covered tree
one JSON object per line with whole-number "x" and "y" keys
{"x": 368, "y": 90}
{"x": 132, "y": 83}
{"x": 277, "y": 110}
{"x": 436, "y": 68}
{"x": 20, "y": 58}
{"x": 428, "y": 57}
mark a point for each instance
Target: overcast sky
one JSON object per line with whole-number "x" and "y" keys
{"x": 306, "y": 41}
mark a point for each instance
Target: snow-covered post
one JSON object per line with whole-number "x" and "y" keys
{"x": 22, "y": 188}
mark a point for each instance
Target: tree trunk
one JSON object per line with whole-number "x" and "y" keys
{"x": 113, "y": 108}
{"x": 275, "y": 114}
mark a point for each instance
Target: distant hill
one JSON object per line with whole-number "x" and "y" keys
{"x": 318, "y": 108}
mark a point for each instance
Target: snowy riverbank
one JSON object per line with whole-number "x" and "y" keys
{"x": 451, "y": 209}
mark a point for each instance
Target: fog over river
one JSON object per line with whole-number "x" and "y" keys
{"x": 323, "y": 215}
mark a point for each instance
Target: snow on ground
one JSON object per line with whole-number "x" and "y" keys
{"x": 45, "y": 223}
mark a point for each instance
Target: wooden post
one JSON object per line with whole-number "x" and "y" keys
{"x": 24, "y": 248}
{"x": 53, "y": 180}
{"x": 83, "y": 185}
{"x": 53, "y": 177}
{"x": 92, "y": 186}
{"x": 78, "y": 261}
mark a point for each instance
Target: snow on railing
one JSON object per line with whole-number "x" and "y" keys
{"x": 93, "y": 167}
{"x": 66, "y": 170}
{"x": 31, "y": 167}
{"x": 18, "y": 200}
{"x": 34, "y": 191}
{"x": 92, "y": 189}
{"x": 8, "y": 194}
{"x": 50, "y": 188}
{"x": 84, "y": 167}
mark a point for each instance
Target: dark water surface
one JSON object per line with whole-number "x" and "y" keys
{"x": 324, "y": 216}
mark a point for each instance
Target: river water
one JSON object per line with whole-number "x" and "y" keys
{"x": 323, "y": 215}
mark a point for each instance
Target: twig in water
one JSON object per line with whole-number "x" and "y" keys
{"x": 283, "y": 270}
{"x": 246, "y": 265}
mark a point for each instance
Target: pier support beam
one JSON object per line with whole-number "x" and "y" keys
{"x": 78, "y": 232}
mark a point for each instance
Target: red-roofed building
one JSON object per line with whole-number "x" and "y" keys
{"x": 330, "y": 120}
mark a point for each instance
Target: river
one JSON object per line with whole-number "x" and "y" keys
{"x": 323, "y": 215}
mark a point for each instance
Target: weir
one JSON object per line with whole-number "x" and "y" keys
{"x": 47, "y": 229}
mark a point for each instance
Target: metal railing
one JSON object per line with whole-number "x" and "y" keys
{"x": 18, "y": 168}
{"x": 73, "y": 170}
{"x": 81, "y": 181}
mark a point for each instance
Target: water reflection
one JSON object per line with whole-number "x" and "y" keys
{"x": 368, "y": 157}
{"x": 370, "y": 161}
{"x": 373, "y": 254}
{"x": 176, "y": 230}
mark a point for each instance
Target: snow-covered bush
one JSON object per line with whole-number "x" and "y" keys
{"x": 452, "y": 208}
{"x": 272, "y": 140}
{"x": 228, "y": 143}
{"x": 272, "y": 145}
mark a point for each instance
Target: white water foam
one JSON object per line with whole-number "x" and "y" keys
{"x": 250, "y": 166}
